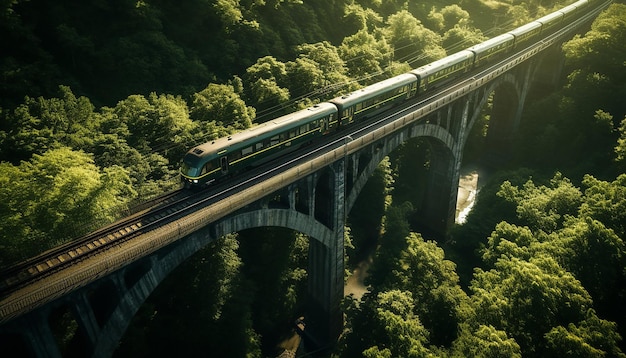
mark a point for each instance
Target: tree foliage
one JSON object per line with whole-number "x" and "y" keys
{"x": 221, "y": 104}
{"x": 527, "y": 298}
{"x": 51, "y": 197}
{"x": 412, "y": 41}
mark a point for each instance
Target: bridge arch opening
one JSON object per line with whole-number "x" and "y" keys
{"x": 67, "y": 331}
{"x": 249, "y": 272}
{"x": 324, "y": 198}
{"x": 17, "y": 344}
{"x": 548, "y": 73}
{"x": 423, "y": 166}
{"x": 493, "y": 129}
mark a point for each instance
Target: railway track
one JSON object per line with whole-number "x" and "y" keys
{"x": 35, "y": 268}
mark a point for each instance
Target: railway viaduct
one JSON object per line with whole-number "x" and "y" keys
{"x": 313, "y": 198}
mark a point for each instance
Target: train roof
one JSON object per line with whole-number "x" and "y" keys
{"x": 570, "y": 8}
{"x": 263, "y": 130}
{"x": 525, "y": 28}
{"x": 494, "y": 41}
{"x": 433, "y": 67}
{"x": 374, "y": 90}
{"x": 548, "y": 19}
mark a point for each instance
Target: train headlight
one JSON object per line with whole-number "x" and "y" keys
{"x": 195, "y": 181}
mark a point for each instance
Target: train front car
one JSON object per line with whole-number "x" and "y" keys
{"x": 225, "y": 157}
{"x": 197, "y": 166}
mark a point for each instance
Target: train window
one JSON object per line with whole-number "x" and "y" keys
{"x": 304, "y": 129}
{"x": 274, "y": 140}
{"x": 234, "y": 156}
{"x": 246, "y": 151}
{"x": 258, "y": 146}
{"x": 292, "y": 133}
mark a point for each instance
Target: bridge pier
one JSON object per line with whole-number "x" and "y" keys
{"x": 326, "y": 264}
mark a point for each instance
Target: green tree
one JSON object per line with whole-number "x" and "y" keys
{"x": 146, "y": 135}
{"x": 593, "y": 337}
{"x": 461, "y": 37}
{"x": 440, "y": 302}
{"x": 305, "y": 77}
{"x": 572, "y": 233}
{"x": 520, "y": 14}
{"x": 359, "y": 18}
{"x": 544, "y": 208}
{"x": 484, "y": 342}
{"x": 365, "y": 54}
{"x": 620, "y": 148}
{"x": 509, "y": 240}
{"x": 327, "y": 58}
{"x": 267, "y": 81}
{"x": 527, "y": 299}
{"x": 606, "y": 201}
{"x": 435, "y": 20}
{"x": 221, "y": 104}
{"x": 156, "y": 122}
{"x": 229, "y": 11}
{"x": 55, "y": 197}
{"x": 595, "y": 50}
{"x": 454, "y": 15}
{"x": 40, "y": 124}
{"x": 385, "y": 325}
{"x": 412, "y": 42}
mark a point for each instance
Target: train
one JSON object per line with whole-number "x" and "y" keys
{"x": 225, "y": 157}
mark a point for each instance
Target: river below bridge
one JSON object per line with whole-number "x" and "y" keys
{"x": 466, "y": 197}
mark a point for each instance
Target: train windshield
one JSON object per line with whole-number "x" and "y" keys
{"x": 190, "y": 166}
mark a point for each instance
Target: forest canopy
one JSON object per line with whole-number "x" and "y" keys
{"x": 99, "y": 101}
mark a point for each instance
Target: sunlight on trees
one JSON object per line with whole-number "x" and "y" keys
{"x": 52, "y": 197}
{"x": 412, "y": 42}
{"x": 220, "y": 103}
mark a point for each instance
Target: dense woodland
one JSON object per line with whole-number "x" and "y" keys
{"x": 99, "y": 101}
